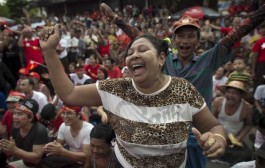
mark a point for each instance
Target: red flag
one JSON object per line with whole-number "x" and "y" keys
{"x": 32, "y": 64}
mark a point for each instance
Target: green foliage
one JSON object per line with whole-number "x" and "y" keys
{"x": 4, "y": 11}
{"x": 15, "y": 7}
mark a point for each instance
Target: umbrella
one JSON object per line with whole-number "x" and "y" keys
{"x": 6, "y": 21}
{"x": 197, "y": 12}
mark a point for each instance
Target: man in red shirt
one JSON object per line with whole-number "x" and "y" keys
{"x": 258, "y": 59}
{"x": 113, "y": 71}
{"x": 31, "y": 46}
{"x": 92, "y": 68}
{"x": 226, "y": 30}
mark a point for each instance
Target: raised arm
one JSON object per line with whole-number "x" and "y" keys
{"x": 251, "y": 22}
{"x": 65, "y": 89}
{"x": 131, "y": 31}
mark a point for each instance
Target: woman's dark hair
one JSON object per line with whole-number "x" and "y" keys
{"x": 103, "y": 131}
{"x": 159, "y": 45}
{"x": 104, "y": 72}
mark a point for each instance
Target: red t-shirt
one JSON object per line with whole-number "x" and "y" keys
{"x": 32, "y": 50}
{"x": 227, "y": 30}
{"x": 104, "y": 49}
{"x": 7, "y": 121}
{"x": 92, "y": 71}
{"x": 56, "y": 123}
{"x": 259, "y": 47}
{"x": 114, "y": 73}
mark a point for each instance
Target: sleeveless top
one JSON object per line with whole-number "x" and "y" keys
{"x": 231, "y": 123}
{"x": 110, "y": 161}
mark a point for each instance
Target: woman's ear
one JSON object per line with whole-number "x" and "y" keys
{"x": 162, "y": 59}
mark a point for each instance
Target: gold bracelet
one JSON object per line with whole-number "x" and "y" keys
{"x": 219, "y": 135}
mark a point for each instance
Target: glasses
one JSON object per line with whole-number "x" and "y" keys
{"x": 67, "y": 114}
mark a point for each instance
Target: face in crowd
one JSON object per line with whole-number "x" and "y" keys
{"x": 145, "y": 58}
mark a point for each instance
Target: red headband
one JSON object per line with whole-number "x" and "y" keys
{"x": 24, "y": 109}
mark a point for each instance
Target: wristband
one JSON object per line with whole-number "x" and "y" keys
{"x": 219, "y": 135}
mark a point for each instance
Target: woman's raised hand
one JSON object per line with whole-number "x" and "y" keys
{"x": 107, "y": 12}
{"x": 49, "y": 38}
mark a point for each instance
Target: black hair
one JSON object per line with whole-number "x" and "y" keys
{"x": 112, "y": 61}
{"x": 48, "y": 112}
{"x": 159, "y": 45}
{"x": 88, "y": 81}
{"x": 239, "y": 58}
{"x": 103, "y": 131}
{"x": 31, "y": 82}
{"x": 261, "y": 122}
{"x": 105, "y": 72}
{"x": 80, "y": 57}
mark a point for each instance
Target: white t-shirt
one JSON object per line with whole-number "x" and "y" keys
{"x": 260, "y": 94}
{"x": 40, "y": 98}
{"x": 220, "y": 82}
{"x": 249, "y": 164}
{"x": 75, "y": 144}
{"x": 73, "y": 42}
{"x": 63, "y": 44}
{"x": 78, "y": 81}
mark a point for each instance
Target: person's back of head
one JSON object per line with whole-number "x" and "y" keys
{"x": 48, "y": 112}
{"x": 103, "y": 131}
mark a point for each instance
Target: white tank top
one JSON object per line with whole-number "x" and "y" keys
{"x": 231, "y": 123}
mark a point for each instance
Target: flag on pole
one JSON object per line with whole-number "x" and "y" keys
{"x": 34, "y": 64}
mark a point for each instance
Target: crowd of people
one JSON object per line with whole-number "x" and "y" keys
{"x": 133, "y": 89}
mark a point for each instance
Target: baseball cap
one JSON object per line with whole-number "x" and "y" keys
{"x": 35, "y": 75}
{"x": 15, "y": 96}
{"x": 29, "y": 106}
{"x": 186, "y": 21}
{"x": 23, "y": 71}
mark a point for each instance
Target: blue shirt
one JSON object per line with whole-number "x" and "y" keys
{"x": 200, "y": 70}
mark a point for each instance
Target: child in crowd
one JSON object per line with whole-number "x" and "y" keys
{"x": 219, "y": 79}
{"x": 240, "y": 73}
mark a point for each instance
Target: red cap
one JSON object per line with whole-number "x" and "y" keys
{"x": 186, "y": 21}
{"x": 23, "y": 71}
{"x": 15, "y": 96}
{"x": 35, "y": 75}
